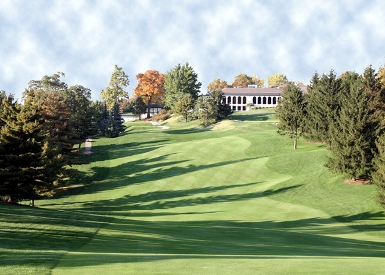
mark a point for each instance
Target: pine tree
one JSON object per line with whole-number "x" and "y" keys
{"x": 119, "y": 121}
{"x": 30, "y": 166}
{"x": 291, "y": 112}
{"x": 112, "y": 122}
{"x": 322, "y": 105}
{"x": 379, "y": 174}
{"x": 352, "y": 133}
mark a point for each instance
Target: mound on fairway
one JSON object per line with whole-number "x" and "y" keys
{"x": 234, "y": 199}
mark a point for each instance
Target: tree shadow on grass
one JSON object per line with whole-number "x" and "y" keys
{"x": 114, "y": 151}
{"x": 160, "y": 240}
{"x": 136, "y": 172}
{"x": 168, "y": 199}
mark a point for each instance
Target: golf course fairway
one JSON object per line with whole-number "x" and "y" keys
{"x": 231, "y": 199}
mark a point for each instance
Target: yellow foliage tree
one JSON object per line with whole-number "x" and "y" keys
{"x": 150, "y": 87}
{"x": 217, "y": 84}
{"x": 277, "y": 80}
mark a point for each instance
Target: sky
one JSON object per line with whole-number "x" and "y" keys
{"x": 84, "y": 39}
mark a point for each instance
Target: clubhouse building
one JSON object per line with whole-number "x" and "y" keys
{"x": 238, "y": 98}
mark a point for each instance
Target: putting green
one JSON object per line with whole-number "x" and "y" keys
{"x": 213, "y": 205}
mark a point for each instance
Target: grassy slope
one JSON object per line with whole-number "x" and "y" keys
{"x": 187, "y": 201}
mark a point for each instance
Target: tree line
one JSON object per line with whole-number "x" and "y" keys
{"x": 244, "y": 80}
{"x": 347, "y": 113}
{"x": 40, "y": 137}
{"x": 179, "y": 93}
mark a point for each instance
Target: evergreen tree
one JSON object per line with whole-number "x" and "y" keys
{"x": 9, "y": 99}
{"x": 112, "y": 122}
{"x": 322, "y": 105}
{"x": 181, "y": 80}
{"x": 30, "y": 166}
{"x": 379, "y": 174}
{"x": 352, "y": 133}
{"x": 291, "y": 112}
{"x": 371, "y": 83}
{"x": 119, "y": 121}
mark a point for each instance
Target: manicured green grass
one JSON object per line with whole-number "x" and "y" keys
{"x": 232, "y": 199}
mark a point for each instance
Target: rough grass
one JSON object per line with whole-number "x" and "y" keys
{"x": 236, "y": 199}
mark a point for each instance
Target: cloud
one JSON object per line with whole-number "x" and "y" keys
{"x": 220, "y": 39}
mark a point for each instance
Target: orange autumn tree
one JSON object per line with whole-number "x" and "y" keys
{"x": 150, "y": 87}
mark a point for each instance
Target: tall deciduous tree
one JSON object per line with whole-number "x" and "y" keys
{"x": 242, "y": 80}
{"x": 277, "y": 80}
{"x": 258, "y": 81}
{"x": 78, "y": 101}
{"x": 150, "y": 87}
{"x": 217, "y": 84}
{"x": 49, "y": 84}
{"x": 114, "y": 92}
{"x": 181, "y": 80}
{"x": 291, "y": 112}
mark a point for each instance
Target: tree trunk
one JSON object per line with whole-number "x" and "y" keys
{"x": 295, "y": 143}
{"x": 148, "y": 108}
{"x": 10, "y": 199}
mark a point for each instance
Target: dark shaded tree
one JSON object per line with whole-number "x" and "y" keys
{"x": 112, "y": 122}
{"x": 137, "y": 106}
{"x": 30, "y": 164}
{"x": 224, "y": 110}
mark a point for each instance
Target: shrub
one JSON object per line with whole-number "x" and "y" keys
{"x": 162, "y": 115}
